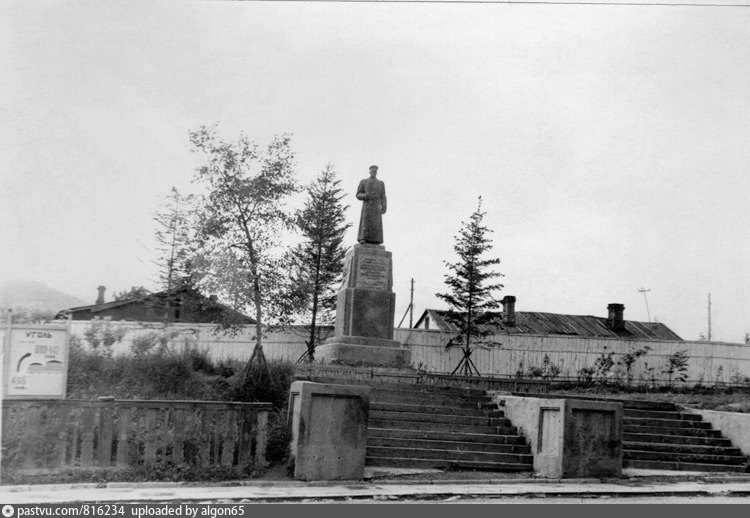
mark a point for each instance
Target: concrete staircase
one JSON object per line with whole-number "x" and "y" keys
{"x": 425, "y": 426}
{"x": 656, "y": 435}
{"x": 441, "y": 427}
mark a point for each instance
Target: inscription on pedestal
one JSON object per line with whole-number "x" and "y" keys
{"x": 372, "y": 272}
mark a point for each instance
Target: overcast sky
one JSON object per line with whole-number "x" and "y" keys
{"x": 610, "y": 144}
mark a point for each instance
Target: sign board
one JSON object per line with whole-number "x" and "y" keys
{"x": 36, "y": 362}
{"x": 373, "y": 273}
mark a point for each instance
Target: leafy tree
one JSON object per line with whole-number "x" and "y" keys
{"x": 135, "y": 292}
{"x": 471, "y": 286}
{"x": 319, "y": 260}
{"x": 20, "y": 314}
{"x": 241, "y": 217}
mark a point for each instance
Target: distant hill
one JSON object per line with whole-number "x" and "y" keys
{"x": 36, "y": 296}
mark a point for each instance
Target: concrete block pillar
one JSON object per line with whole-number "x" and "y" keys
{"x": 329, "y": 430}
{"x": 569, "y": 438}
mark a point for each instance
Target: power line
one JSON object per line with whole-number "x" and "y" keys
{"x": 634, "y": 3}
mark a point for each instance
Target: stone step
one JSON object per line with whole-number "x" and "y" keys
{"x": 437, "y": 409}
{"x": 659, "y": 406}
{"x": 670, "y": 430}
{"x": 658, "y": 414}
{"x": 448, "y": 455}
{"x": 417, "y": 388}
{"x": 439, "y": 418}
{"x": 671, "y": 423}
{"x": 420, "y": 396}
{"x": 680, "y": 466}
{"x": 626, "y": 403}
{"x": 715, "y": 441}
{"x": 681, "y": 448}
{"x": 691, "y": 458}
{"x": 448, "y": 464}
{"x": 376, "y": 422}
{"x": 444, "y": 436}
{"x": 460, "y": 446}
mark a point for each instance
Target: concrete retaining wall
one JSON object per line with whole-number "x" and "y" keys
{"x": 733, "y": 425}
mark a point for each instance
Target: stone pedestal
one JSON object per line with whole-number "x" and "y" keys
{"x": 365, "y": 309}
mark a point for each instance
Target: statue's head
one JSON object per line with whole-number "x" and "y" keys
{"x": 373, "y": 170}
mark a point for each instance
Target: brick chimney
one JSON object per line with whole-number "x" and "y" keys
{"x": 100, "y": 298}
{"x": 615, "y": 320}
{"x": 509, "y": 310}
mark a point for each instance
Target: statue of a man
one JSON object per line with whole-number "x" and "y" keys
{"x": 372, "y": 193}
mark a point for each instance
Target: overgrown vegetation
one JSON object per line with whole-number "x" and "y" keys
{"x": 546, "y": 371}
{"x": 155, "y": 371}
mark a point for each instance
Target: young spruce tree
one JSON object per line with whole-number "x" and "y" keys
{"x": 471, "y": 286}
{"x": 175, "y": 236}
{"x": 319, "y": 260}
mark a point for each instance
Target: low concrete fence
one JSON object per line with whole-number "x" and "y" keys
{"x": 62, "y": 434}
{"x": 376, "y": 375}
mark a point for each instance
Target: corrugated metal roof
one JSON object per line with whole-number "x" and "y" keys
{"x": 533, "y": 322}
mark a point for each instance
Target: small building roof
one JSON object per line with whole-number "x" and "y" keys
{"x": 535, "y": 322}
{"x": 200, "y": 304}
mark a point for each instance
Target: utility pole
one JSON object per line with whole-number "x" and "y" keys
{"x": 709, "y": 317}
{"x": 410, "y": 309}
{"x": 411, "y": 305}
{"x": 643, "y": 290}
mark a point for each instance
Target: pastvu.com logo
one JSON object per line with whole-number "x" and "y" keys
{"x": 8, "y": 511}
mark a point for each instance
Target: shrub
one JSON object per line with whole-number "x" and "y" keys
{"x": 270, "y": 384}
{"x": 102, "y": 335}
{"x": 629, "y": 360}
{"x": 677, "y": 363}
{"x": 277, "y": 447}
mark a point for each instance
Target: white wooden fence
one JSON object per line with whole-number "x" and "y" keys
{"x": 708, "y": 362}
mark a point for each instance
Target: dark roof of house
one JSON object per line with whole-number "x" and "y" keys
{"x": 206, "y": 303}
{"x": 534, "y": 322}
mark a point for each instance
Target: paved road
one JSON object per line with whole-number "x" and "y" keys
{"x": 302, "y": 492}
{"x": 742, "y": 500}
